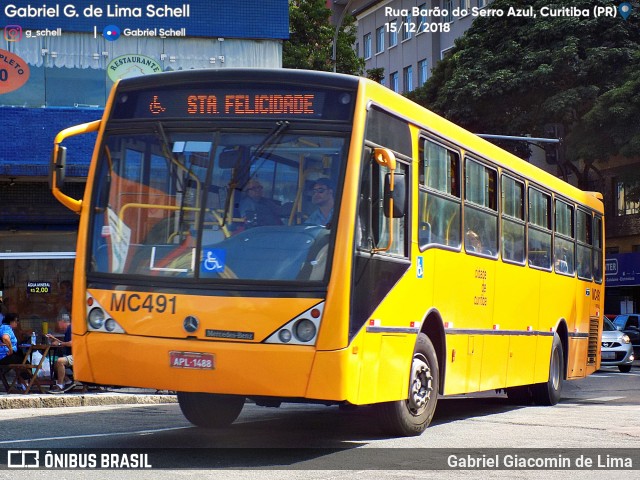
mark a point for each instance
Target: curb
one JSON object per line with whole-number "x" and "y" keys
{"x": 83, "y": 400}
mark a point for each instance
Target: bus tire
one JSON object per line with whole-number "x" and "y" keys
{"x": 548, "y": 393}
{"x": 412, "y": 416}
{"x": 208, "y": 410}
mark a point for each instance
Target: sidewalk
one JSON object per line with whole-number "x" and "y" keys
{"x": 104, "y": 396}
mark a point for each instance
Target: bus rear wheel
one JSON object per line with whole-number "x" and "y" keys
{"x": 548, "y": 393}
{"x": 208, "y": 410}
{"x": 412, "y": 416}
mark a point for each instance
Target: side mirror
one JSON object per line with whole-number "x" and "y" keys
{"x": 385, "y": 158}
{"x": 59, "y": 161}
{"x": 57, "y": 169}
{"x": 397, "y": 194}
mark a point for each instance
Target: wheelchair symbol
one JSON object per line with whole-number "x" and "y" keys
{"x": 419, "y": 268}
{"x": 214, "y": 261}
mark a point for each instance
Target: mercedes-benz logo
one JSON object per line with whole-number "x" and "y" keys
{"x": 190, "y": 324}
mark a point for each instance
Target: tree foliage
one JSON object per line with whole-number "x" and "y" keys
{"x": 310, "y": 44}
{"x": 516, "y": 75}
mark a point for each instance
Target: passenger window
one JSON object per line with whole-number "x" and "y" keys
{"x": 372, "y": 226}
{"x": 539, "y": 229}
{"x": 439, "y": 197}
{"x": 513, "y": 224}
{"x": 584, "y": 236}
{"x": 480, "y": 209}
{"x": 564, "y": 246}
{"x": 597, "y": 249}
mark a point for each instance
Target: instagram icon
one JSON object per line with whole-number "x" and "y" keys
{"x": 13, "y": 33}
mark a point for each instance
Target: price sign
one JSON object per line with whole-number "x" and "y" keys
{"x": 39, "y": 287}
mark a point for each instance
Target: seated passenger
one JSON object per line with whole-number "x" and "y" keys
{"x": 256, "y": 209}
{"x": 322, "y": 199}
{"x": 473, "y": 242}
{"x": 562, "y": 266}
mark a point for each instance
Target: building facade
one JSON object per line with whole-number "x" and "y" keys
{"x": 620, "y": 184}
{"x": 68, "y": 62}
{"x": 407, "y": 38}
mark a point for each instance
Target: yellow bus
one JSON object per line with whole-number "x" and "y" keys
{"x": 296, "y": 236}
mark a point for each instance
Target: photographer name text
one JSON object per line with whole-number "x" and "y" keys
{"x": 91, "y": 11}
{"x": 552, "y": 462}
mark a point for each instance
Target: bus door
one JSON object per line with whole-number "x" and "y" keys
{"x": 380, "y": 312}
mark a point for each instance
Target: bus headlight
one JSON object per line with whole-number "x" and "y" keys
{"x": 99, "y": 319}
{"x": 301, "y": 330}
{"x": 304, "y": 330}
{"x": 284, "y": 335}
{"x": 96, "y": 318}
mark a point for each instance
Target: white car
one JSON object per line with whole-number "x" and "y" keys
{"x": 616, "y": 350}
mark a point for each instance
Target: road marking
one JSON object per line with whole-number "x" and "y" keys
{"x": 92, "y": 435}
{"x": 603, "y": 399}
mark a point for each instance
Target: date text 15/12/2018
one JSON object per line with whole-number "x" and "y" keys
{"x": 417, "y": 27}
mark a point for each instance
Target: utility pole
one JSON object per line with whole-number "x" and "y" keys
{"x": 334, "y": 54}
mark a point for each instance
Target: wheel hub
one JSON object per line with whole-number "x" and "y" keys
{"x": 421, "y": 385}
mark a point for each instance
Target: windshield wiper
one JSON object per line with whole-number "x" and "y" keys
{"x": 271, "y": 137}
{"x": 268, "y": 140}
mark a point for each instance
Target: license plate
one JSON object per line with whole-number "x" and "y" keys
{"x": 202, "y": 361}
{"x": 608, "y": 355}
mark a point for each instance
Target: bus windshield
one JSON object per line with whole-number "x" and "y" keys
{"x": 225, "y": 205}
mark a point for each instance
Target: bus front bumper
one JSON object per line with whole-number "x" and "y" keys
{"x": 236, "y": 368}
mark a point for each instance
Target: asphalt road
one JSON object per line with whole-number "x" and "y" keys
{"x": 600, "y": 414}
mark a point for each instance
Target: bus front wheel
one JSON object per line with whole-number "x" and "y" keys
{"x": 412, "y": 416}
{"x": 208, "y": 410}
{"x": 548, "y": 393}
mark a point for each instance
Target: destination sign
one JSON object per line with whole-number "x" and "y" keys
{"x": 267, "y": 102}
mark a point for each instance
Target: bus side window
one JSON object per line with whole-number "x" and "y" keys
{"x": 564, "y": 245}
{"x": 439, "y": 195}
{"x": 481, "y": 208}
{"x": 597, "y": 249}
{"x": 539, "y": 229}
{"x": 513, "y": 225}
{"x": 372, "y": 225}
{"x": 584, "y": 238}
{"x": 364, "y": 239}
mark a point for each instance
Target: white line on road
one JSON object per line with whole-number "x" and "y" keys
{"x": 603, "y": 399}
{"x": 92, "y": 435}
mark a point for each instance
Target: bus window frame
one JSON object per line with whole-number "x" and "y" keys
{"x": 597, "y": 218}
{"x": 370, "y": 162}
{"x": 572, "y": 205}
{"x": 423, "y": 188}
{"x": 579, "y": 243}
{"x": 539, "y": 228}
{"x": 519, "y": 221}
{"x": 481, "y": 208}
